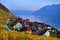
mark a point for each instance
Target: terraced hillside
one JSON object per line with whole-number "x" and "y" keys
{"x": 9, "y": 35}
{"x": 4, "y": 15}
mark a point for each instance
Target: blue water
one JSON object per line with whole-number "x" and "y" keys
{"x": 30, "y": 17}
{"x": 33, "y": 18}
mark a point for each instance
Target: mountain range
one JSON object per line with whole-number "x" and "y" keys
{"x": 22, "y": 12}
{"x": 49, "y": 14}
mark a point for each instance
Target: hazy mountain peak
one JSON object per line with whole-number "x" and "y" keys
{"x": 49, "y": 14}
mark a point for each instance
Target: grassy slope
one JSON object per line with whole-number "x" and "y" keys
{"x": 6, "y": 35}
{"x": 4, "y": 15}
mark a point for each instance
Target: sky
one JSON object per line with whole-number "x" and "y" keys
{"x": 31, "y": 5}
